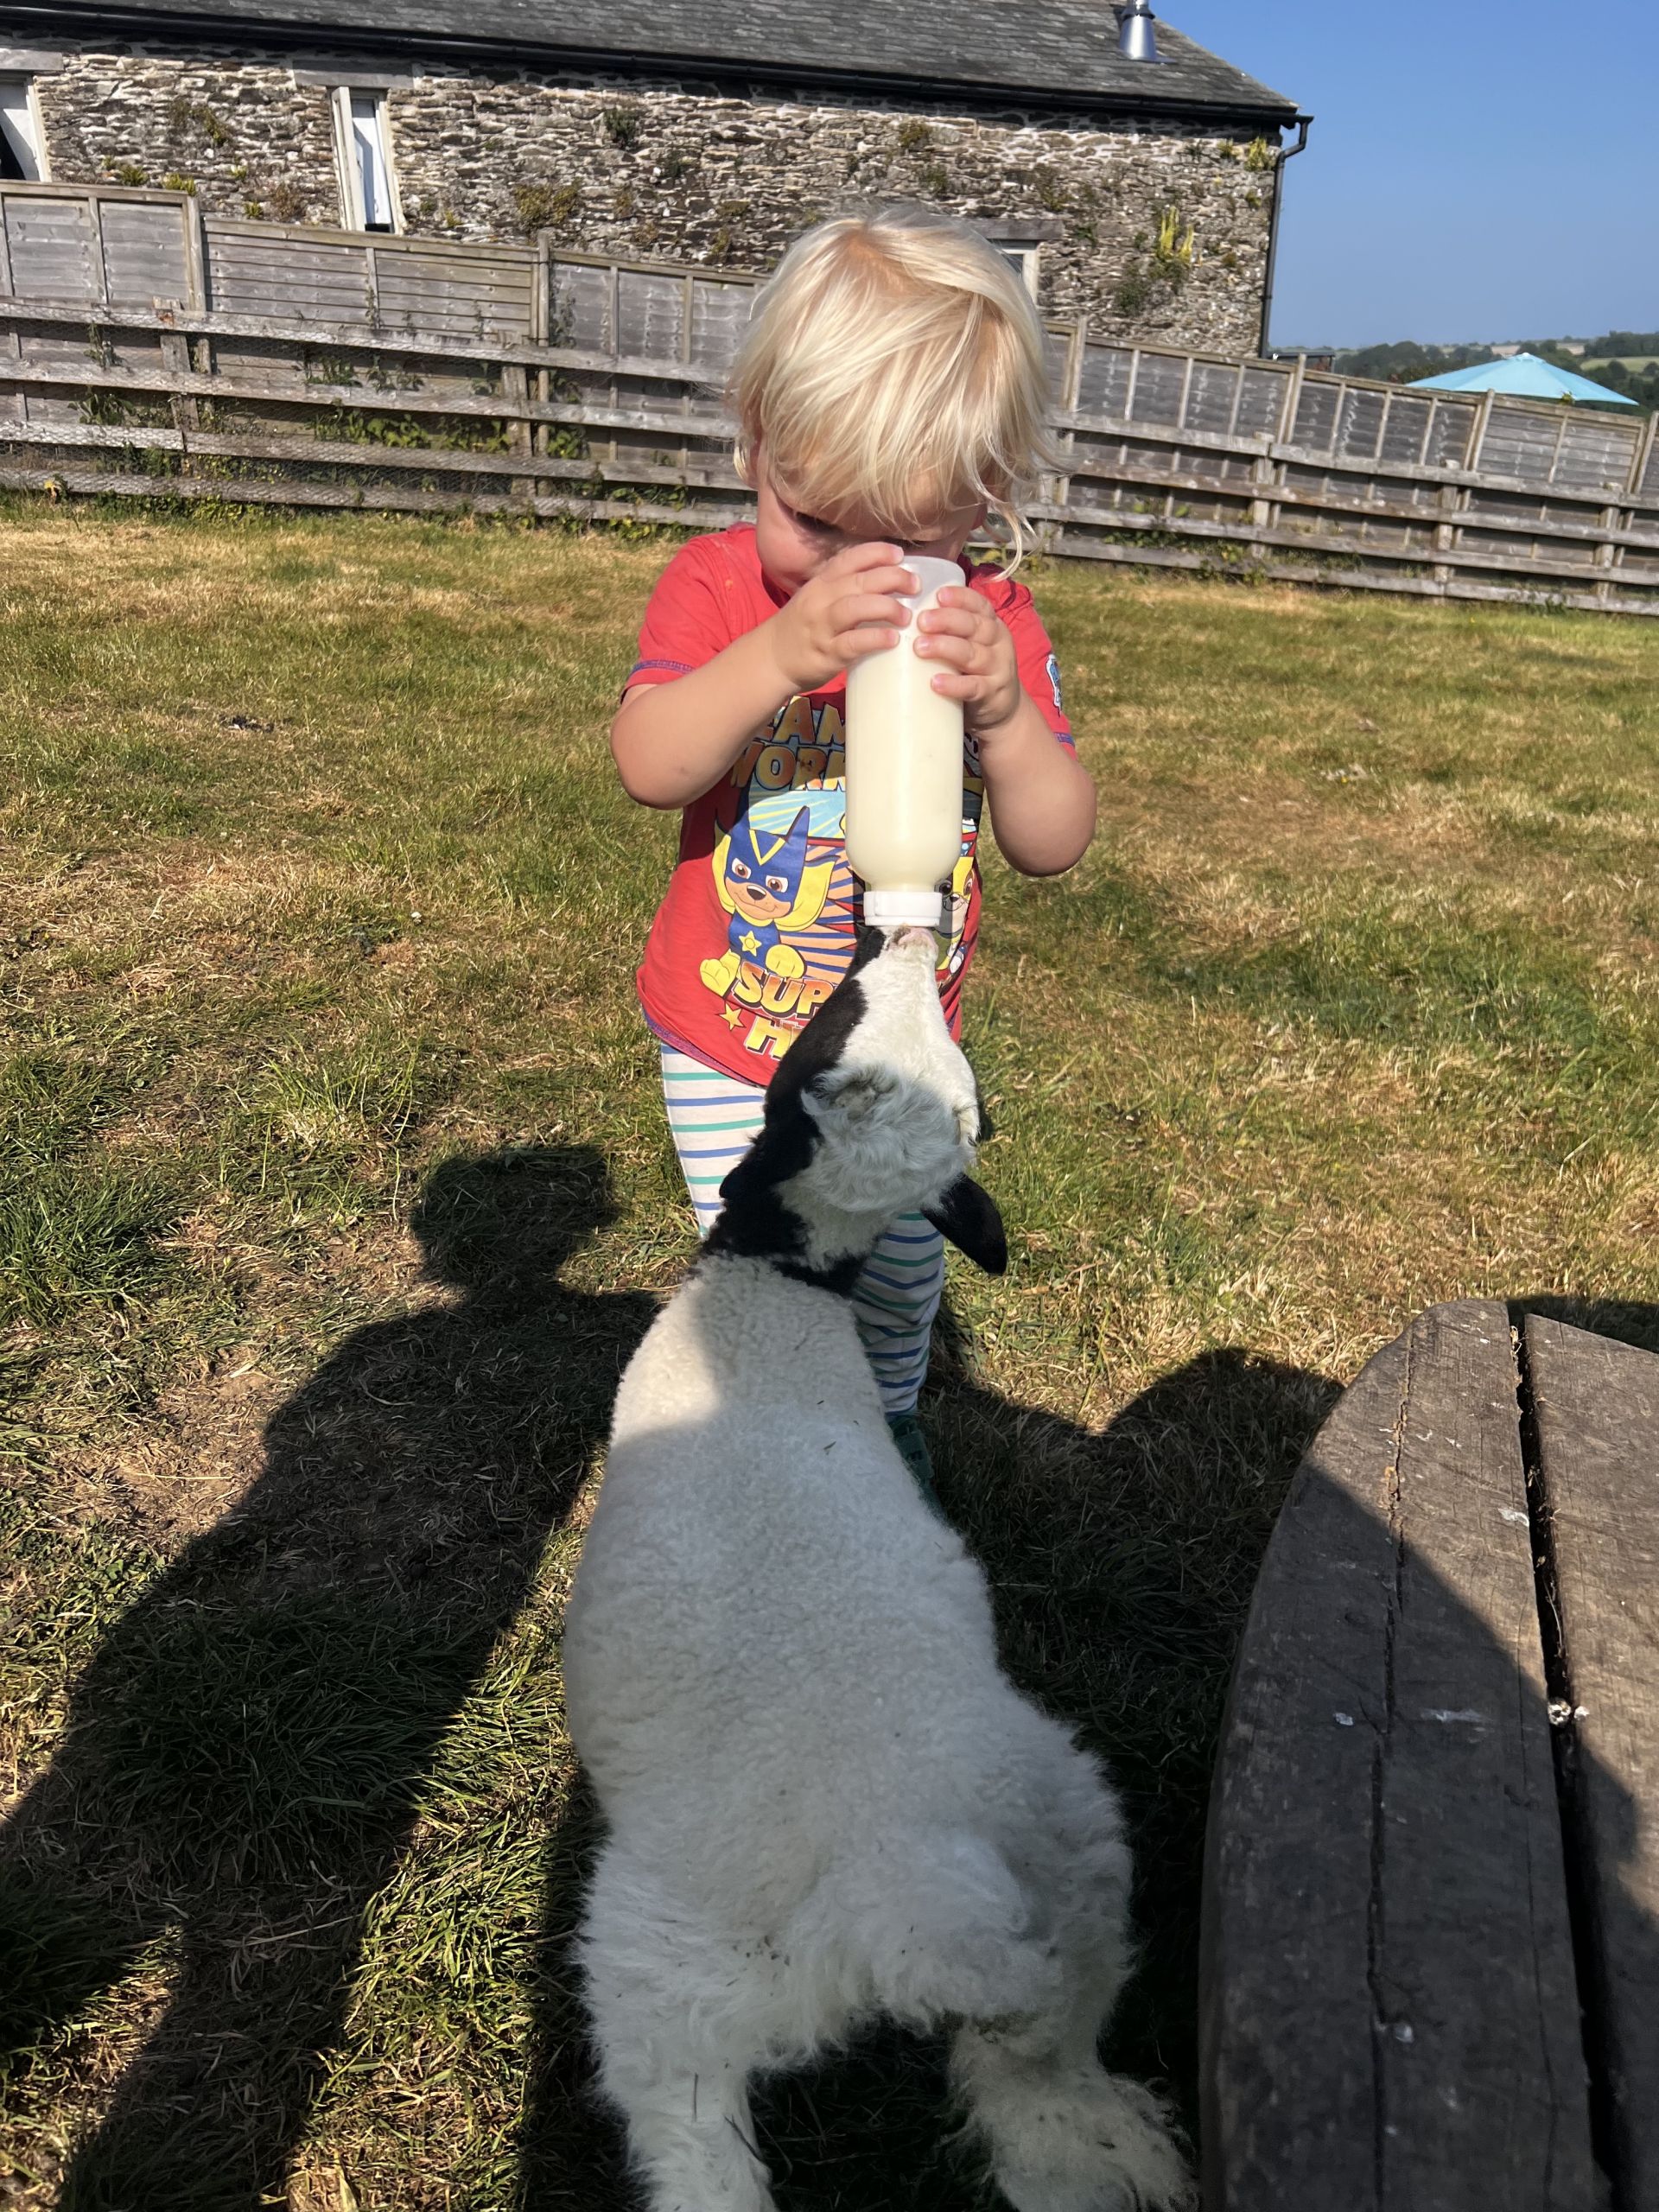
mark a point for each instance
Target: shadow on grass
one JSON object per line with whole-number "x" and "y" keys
{"x": 245, "y": 1752}
{"x": 1121, "y": 1565}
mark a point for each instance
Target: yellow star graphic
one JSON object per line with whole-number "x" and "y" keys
{"x": 730, "y": 1016}
{"x": 749, "y": 942}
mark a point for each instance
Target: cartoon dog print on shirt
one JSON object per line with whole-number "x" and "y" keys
{"x": 768, "y": 884}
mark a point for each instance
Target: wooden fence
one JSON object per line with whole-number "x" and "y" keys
{"x": 145, "y": 347}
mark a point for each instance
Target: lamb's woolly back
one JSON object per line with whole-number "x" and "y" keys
{"x": 824, "y": 1800}
{"x": 874, "y": 1113}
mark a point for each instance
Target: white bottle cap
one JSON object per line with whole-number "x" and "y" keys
{"x": 904, "y": 909}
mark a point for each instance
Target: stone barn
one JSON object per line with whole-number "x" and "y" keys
{"x": 1144, "y": 192}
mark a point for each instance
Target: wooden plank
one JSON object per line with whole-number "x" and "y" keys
{"x": 1087, "y": 468}
{"x": 306, "y": 452}
{"x": 1596, "y": 1406}
{"x": 1596, "y": 451}
{"x": 392, "y": 341}
{"x": 1308, "y": 575}
{"x": 1389, "y": 2006}
{"x": 17, "y": 190}
{"x": 238, "y": 228}
{"x": 195, "y": 249}
{"x": 1646, "y": 456}
{"x": 100, "y": 260}
{"x": 391, "y": 400}
{"x": 397, "y": 500}
{"x": 144, "y": 254}
{"x": 53, "y": 251}
{"x": 1332, "y": 542}
{"x": 1287, "y": 2115}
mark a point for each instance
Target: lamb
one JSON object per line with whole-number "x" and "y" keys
{"x": 824, "y": 1800}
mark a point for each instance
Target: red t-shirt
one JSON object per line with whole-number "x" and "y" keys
{"x": 761, "y": 914}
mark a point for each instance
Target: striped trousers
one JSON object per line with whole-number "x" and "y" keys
{"x": 713, "y": 1118}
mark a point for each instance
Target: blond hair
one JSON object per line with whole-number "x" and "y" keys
{"x": 895, "y": 366}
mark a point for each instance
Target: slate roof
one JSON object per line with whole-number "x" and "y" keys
{"x": 1050, "y": 54}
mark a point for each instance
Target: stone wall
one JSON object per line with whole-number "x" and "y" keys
{"x": 1158, "y": 234}
{"x": 240, "y": 133}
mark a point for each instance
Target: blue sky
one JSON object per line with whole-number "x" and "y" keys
{"x": 1477, "y": 168}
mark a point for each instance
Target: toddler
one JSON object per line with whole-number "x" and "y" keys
{"x": 891, "y": 392}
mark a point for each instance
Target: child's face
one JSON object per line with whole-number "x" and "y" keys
{"x": 794, "y": 546}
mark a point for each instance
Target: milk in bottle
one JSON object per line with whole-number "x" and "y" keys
{"x": 903, "y": 771}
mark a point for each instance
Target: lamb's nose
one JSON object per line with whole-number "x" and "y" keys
{"x": 907, "y": 940}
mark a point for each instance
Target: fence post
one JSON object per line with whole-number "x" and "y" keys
{"x": 541, "y": 294}
{"x": 544, "y": 292}
{"x": 1609, "y": 552}
{"x": 1290, "y": 404}
{"x": 1644, "y": 456}
{"x": 1561, "y": 440}
{"x": 1264, "y": 474}
{"x": 100, "y": 267}
{"x": 195, "y": 254}
{"x": 175, "y": 363}
{"x": 1135, "y": 378}
{"x": 1060, "y": 485}
{"x": 1478, "y": 439}
{"x": 1451, "y": 499}
{"x": 515, "y": 389}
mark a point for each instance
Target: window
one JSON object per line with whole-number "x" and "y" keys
{"x": 1019, "y": 240}
{"x": 368, "y": 194}
{"x": 1022, "y": 258}
{"x": 20, "y": 131}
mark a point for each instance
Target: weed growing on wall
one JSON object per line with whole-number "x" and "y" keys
{"x": 186, "y": 115}
{"x": 1175, "y": 251}
{"x": 546, "y": 207}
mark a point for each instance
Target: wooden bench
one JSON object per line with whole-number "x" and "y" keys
{"x": 1431, "y": 1941}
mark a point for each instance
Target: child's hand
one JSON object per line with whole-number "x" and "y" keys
{"x": 976, "y": 651}
{"x": 845, "y": 613}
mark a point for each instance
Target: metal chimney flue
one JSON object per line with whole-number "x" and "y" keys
{"x": 1136, "y": 39}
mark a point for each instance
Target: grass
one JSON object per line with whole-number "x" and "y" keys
{"x": 333, "y": 1193}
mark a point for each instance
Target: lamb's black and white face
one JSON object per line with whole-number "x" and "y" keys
{"x": 874, "y": 1113}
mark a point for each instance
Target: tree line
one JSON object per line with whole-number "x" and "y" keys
{"x": 1405, "y": 361}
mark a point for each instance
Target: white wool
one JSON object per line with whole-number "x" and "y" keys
{"x": 824, "y": 1800}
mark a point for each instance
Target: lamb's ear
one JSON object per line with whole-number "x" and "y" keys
{"x": 968, "y": 1215}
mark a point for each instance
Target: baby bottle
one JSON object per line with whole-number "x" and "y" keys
{"x": 903, "y": 771}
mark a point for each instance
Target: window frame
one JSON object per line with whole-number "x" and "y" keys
{"x": 34, "y": 150}
{"x": 1024, "y": 257}
{"x": 1019, "y": 239}
{"x": 348, "y": 161}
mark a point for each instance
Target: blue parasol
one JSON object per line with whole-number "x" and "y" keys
{"x": 1528, "y": 378}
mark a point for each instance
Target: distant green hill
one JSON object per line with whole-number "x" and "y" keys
{"x": 1405, "y": 360}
